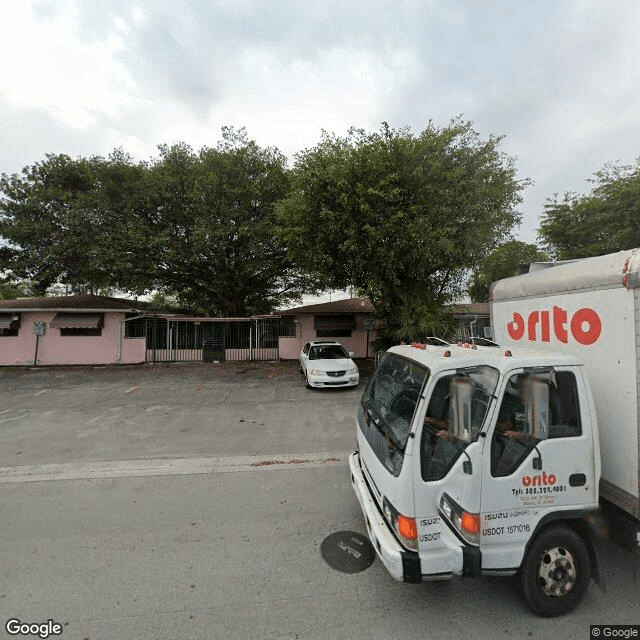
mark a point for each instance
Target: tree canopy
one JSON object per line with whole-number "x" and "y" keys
{"x": 199, "y": 226}
{"x": 47, "y": 216}
{"x": 604, "y": 221}
{"x": 230, "y": 230}
{"x": 11, "y": 289}
{"x": 502, "y": 262}
{"x": 401, "y": 216}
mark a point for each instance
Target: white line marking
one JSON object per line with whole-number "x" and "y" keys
{"x": 43, "y": 391}
{"x": 132, "y": 389}
{"x": 176, "y": 466}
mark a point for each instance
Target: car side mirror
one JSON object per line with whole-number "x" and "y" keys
{"x": 351, "y": 354}
{"x": 537, "y": 408}
{"x": 461, "y": 397}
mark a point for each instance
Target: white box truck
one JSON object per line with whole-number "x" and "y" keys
{"x": 480, "y": 460}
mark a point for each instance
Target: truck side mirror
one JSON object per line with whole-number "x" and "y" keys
{"x": 537, "y": 408}
{"x": 461, "y": 396}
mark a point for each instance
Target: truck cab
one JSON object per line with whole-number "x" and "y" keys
{"x": 480, "y": 460}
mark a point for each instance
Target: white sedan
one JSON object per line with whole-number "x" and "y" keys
{"x": 327, "y": 364}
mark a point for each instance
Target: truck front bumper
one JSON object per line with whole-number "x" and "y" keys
{"x": 403, "y": 565}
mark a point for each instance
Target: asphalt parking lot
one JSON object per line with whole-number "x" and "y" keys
{"x": 190, "y": 501}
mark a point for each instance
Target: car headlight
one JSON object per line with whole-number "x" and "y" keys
{"x": 316, "y": 372}
{"x": 353, "y": 371}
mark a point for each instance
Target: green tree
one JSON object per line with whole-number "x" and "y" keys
{"x": 160, "y": 301}
{"x": 604, "y": 221}
{"x": 200, "y": 227}
{"x": 215, "y": 239}
{"x": 400, "y": 216}
{"x": 418, "y": 316}
{"x": 502, "y": 262}
{"x": 47, "y": 219}
{"x": 12, "y": 289}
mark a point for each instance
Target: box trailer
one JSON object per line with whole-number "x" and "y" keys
{"x": 588, "y": 308}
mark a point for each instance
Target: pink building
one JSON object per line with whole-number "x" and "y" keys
{"x": 88, "y": 329}
{"x": 67, "y": 330}
{"x": 343, "y": 320}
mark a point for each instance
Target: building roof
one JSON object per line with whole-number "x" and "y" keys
{"x": 470, "y": 308}
{"x": 350, "y": 305}
{"x": 362, "y": 305}
{"x": 72, "y": 303}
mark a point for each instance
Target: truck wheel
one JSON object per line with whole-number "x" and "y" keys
{"x": 556, "y": 571}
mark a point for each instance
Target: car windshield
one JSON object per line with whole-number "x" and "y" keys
{"x": 387, "y": 408}
{"x": 327, "y": 352}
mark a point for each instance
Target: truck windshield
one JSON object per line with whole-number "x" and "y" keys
{"x": 387, "y": 408}
{"x": 440, "y": 447}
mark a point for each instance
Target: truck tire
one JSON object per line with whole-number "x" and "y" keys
{"x": 556, "y": 571}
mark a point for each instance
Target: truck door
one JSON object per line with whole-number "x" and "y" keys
{"x": 539, "y": 459}
{"x": 448, "y": 468}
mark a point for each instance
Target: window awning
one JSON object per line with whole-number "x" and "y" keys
{"x": 7, "y": 319}
{"x": 345, "y": 321}
{"x": 77, "y": 321}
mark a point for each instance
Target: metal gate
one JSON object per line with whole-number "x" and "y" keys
{"x": 177, "y": 339}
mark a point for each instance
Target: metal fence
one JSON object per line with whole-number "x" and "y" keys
{"x": 175, "y": 339}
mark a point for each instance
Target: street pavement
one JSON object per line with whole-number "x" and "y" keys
{"x": 191, "y": 501}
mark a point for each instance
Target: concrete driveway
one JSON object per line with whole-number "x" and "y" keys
{"x": 168, "y": 411}
{"x": 189, "y": 501}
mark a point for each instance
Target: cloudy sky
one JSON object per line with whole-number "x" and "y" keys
{"x": 560, "y": 79}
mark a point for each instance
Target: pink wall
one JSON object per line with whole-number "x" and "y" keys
{"x": 56, "y": 349}
{"x": 290, "y": 347}
{"x": 134, "y": 351}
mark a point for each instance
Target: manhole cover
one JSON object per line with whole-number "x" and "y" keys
{"x": 348, "y": 551}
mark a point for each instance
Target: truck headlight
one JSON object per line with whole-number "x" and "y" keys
{"x": 316, "y": 372}
{"x": 465, "y": 523}
{"x": 404, "y": 526}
